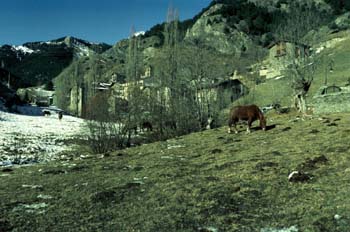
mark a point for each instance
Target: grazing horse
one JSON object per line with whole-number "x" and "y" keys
{"x": 46, "y": 113}
{"x": 146, "y": 126}
{"x": 246, "y": 113}
{"x": 60, "y": 115}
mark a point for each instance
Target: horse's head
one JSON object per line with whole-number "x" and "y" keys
{"x": 262, "y": 122}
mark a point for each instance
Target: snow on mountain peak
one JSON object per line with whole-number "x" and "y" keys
{"x": 23, "y": 49}
{"x": 139, "y": 33}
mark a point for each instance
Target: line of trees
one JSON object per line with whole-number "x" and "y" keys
{"x": 177, "y": 99}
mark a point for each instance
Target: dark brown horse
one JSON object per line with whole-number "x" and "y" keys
{"x": 60, "y": 115}
{"x": 146, "y": 126}
{"x": 249, "y": 113}
{"x": 46, "y": 113}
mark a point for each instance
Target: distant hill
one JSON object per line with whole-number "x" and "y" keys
{"x": 37, "y": 63}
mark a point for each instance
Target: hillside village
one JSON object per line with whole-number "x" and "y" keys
{"x": 143, "y": 143}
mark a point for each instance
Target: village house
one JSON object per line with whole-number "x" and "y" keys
{"x": 223, "y": 92}
{"x": 281, "y": 54}
{"x": 36, "y": 95}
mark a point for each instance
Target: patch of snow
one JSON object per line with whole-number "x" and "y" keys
{"x": 53, "y": 43}
{"x": 28, "y": 139}
{"x": 139, "y": 33}
{"x": 22, "y": 49}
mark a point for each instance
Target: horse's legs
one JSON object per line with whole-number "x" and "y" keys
{"x": 230, "y": 129}
{"x": 249, "y": 124}
{"x": 232, "y": 123}
{"x": 235, "y": 128}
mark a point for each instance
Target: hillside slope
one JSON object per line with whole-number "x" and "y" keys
{"x": 207, "y": 181}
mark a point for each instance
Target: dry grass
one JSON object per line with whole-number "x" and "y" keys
{"x": 208, "y": 179}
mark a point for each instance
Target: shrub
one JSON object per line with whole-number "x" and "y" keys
{"x": 106, "y": 133}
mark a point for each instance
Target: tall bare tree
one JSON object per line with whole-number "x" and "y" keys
{"x": 300, "y": 66}
{"x": 135, "y": 98}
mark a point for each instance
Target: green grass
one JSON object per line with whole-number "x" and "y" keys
{"x": 232, "y": 182}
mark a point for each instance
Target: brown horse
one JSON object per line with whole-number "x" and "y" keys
{"x": 60, "y": 115}
{"x": 249, "y": 113}
{"x": 146, "y": 126}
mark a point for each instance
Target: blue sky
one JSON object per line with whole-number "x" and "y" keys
{"x": 93, "y": 20}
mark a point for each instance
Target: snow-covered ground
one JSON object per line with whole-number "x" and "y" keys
{"x": 29, "y": 138}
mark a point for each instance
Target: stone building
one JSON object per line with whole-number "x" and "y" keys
{"x": 281, "y": 54}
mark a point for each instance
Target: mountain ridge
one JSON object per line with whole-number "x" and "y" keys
{"x": 37, "y": 63}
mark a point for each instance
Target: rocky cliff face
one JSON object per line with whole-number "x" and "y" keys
{"x": 213, "y": 30}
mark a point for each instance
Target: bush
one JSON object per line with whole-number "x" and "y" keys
{"x": 105, "y": 132}
{"x": 104, "y": 136}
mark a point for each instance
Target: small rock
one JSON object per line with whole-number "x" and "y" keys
{"x": 290, "y": 229}
{"x": 31, "y": 208}
{"x": 32, "y": 186}
{"x": 216, "y": 151}
{"x": 207, "y": 229}
{"x": 175, "y": 146}
{"x": 127, "y": 167}
{"x": 166, "y": 157}
{"x": 337, "y": 217}
{"x": 297, "y": 176}
{"x": 46, "y": 197}
{"x": 262, "y": 165}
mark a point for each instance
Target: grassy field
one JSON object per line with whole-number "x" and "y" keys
{"x": 207, "y": 181}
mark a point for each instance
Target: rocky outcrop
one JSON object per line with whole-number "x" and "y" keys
{"x": 213, "y": 30}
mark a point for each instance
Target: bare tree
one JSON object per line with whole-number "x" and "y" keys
{"x": 106, "y": 132}
{"x": 135, "y": 97}
{"x": 300, "y": 65}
